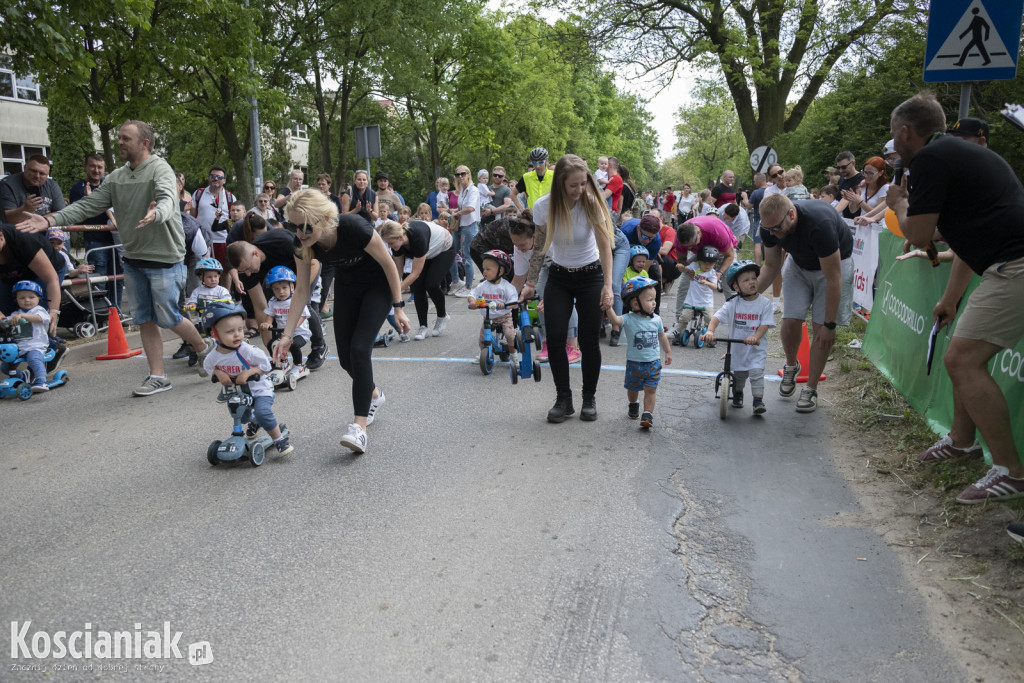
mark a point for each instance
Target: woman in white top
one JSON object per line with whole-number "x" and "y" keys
{"x": 776, "y": 180}
{"x": 576, "y": 229}
{"x": 686, "y": 201}
{"x": 870, "y": 199}
{"x": 469, "y": 224}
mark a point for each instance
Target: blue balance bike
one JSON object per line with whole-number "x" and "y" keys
{"x": 238, "y": 447}
{"x": 494, "y": 344}
{"x": 19, "y": 382}
{"x": 697, "y": 326}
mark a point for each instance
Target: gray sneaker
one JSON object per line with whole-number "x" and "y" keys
{"x": 151, "y": 386}
{"x": 788, "y": 385}
{"x": 211, "y": 344}
{"x": 440, "y": 325}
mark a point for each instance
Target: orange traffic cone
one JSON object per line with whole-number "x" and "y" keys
{"x": 803, "y": 357}
{"x": 117, "y": 344}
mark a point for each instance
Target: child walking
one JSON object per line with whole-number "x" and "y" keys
{"x": 28, "y": 294}
{"x": 499, "y": 294}
{"x": 644, "y": 334}
{"x": 281, "y": 281}
{"x": 235, "y": 361}
{"x": 749, "y": 316}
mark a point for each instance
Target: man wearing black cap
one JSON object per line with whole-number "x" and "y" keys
{"x": 386, "y": 193}
{"x": 972, "y": 130}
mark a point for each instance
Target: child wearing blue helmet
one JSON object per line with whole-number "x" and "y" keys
{"x": 28, "y": 294}
{"x": 644, "y": 334}
{"x": 748, "y": 316}
{"x": 281, "y": 281}
{"x": 236, "y": 361}
{"x": 637, "y": 266}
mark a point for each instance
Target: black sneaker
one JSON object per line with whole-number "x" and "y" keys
{"x": 1016, "y": 532}
{"x": 58, "y": 356}
{"x": 613, "y": 338}
{"x": 634, "y": 411}
{"x": 737, "y": 399}
{"x": 562, "y": 409}
{"x": 252, "y": 429}
{"x": 759, "y": 407}
{"x": 193, "y": 357}
{"x": 283, "y": 447}
{"x": 603, "y": 332}
{"x": 588, "y": 413}
{"x": 647, "y": 420}
{"x": 184, "y": 351}
{"x": 316, "y": 357}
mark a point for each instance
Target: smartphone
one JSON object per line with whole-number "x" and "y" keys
{"x": 32, "y": 191}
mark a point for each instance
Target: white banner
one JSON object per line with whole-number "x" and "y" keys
{"x": 865, "y": 261}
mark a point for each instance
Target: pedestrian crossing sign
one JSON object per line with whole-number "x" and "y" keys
{"x": 972, "y": 40}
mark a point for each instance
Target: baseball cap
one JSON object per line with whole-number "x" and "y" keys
{"x": 970, "y": 126}
{"x": 890, "y": 148}
{"x": 381, "y": 174}
{"x": 650, "y": 223}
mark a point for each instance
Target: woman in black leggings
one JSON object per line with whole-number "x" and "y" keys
{"x": 432, "y": 250}
{"x": 574, "y": 222}
{"x": 366, "y": 274}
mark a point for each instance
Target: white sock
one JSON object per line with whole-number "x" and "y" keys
{"x": 159, "y": 376}
{"x": 776, "y": 300}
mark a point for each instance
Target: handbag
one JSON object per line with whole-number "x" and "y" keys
{"x": 453, "y": 223}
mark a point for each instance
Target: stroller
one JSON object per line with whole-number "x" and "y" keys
{"x": 77, "y": 313}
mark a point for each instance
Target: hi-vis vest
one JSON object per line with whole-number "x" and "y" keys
{"x": 535, "y": 187}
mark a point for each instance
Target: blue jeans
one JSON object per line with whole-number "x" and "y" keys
{"x": 35, "y": 365}
{"x": 156, "y": 292}
{"x": 262, "y": 407}
{"x": 620, "y": 260}
{"x": 105, "y": 261}
{"x": 462, "y": 239}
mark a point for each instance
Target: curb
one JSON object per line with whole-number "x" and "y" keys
{"x": 80, "y": 353}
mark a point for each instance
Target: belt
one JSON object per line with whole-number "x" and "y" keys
{"x": 589, "y": 268}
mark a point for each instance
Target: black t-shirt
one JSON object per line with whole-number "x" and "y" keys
{"x": 819, "y": 233}
{"x": 723, "y": 194}
{"x": 418, "y": 233}
{"x": 352, "y": 264}
{"x": 278, "y": 247}
{"x": 987, "y": 228}
{"x": 850, "y": 184}
{"x": 78, "y": 192}
{"x": 21, "y": 248}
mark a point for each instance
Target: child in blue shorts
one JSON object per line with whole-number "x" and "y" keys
{"x": 642, "y": 329}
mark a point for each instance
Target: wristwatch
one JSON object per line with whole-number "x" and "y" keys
{"x": 829, "y": 326}
{"x": 401, "y": 304}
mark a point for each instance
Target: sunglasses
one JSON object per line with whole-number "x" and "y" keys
{"x": 306, "y": 228}
{"x": 214, "y": 176}
{"x": 843, "y": 167}
{"x": 645, "y": 235}
{"x": 777, "y": 228}
{"x": 269, "y": 187}
{"x": 776, "y": 175}
{"x": 497, "y": 175}
{"x": 459, "y": 175}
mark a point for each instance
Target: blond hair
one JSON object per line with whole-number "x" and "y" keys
{"x": 795, "y": 175}
{"x": 774, "y": 206}
{"x": 391, "y": 230}
{"x": 592, "y": 201}
{"x": 424, "y": 208}
{"x": 317, "y": 209}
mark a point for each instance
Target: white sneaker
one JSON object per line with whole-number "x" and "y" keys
{"x": 375, "y": 404}
{"x": 776, "y": 307}
{"x": 454, "y": 287}
{"x": 211, "y": 344}
{"x": 355, "y": 439}
{"x": 422, "y": 334}
{"x": 296, "y": 369}
{"x": 441, "y": 324}
{"x": 463, "y": 293}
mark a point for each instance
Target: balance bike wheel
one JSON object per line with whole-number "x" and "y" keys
{"x": 486, "y": 360}
{"x": 684, "y": 338}
{"x": 256, "y": 454}
{"x": 211, "y": 453}
{"x": 723, "y": 401}
{"x": 291, "y": 382}
{"x": 24, "y": 391}
{"x": 698, "y": 340}
{"x": 536, "y": 371}
{"x": 513, "y": 372}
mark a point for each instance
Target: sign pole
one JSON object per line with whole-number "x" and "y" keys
{"x": 965, "y": 100}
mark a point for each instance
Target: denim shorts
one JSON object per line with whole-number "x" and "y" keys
{"x": 156, "y": 292}
{"x": 640, "y": 375}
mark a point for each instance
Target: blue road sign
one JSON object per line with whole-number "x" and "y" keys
{"x": 972, "y": 40}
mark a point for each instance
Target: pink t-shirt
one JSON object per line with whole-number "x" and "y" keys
{"x": 713, "y": 232}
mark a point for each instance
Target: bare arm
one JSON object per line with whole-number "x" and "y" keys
{"x": 770, "y": 269}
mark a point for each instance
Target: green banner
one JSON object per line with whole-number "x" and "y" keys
{"x": 897, "y": 340}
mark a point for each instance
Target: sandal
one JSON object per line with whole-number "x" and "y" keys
{"x": 251, "y": 332}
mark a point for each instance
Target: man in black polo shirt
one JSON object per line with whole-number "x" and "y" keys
{"x": 818, "y": 275}
{"x": 849, "y": 179}
{"x": 254, "y": 261}
{"x": 986, "y": 236}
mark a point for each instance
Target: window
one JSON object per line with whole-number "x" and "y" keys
{"x": 15, "y": 155}
{"x": 17, "y": 87}
{"x": 300, "y": 131}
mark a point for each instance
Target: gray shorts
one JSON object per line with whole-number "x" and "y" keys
{"x": 805, "y": 289}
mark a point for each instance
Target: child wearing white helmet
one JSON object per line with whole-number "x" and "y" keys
{"x": 28, "y": 294}
{"x": 643, "y": 333}
{"x": 748, "y": 315}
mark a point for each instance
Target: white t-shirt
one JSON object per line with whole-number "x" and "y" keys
{"x": 581, "y": 248}
{"x": 773, "y": 189}
{"x": 279, "y": 310}
{"x": 40, "y": 340}
{"x": 232, "y": 364}
{"x": 485, "y": 193}
{"x": 208, "y": 294}
{"x": 741, "y": 318}
{"x": 503, "y": 292}
{"x": 520, "y": 261}
{"x": 873, "y": 200}
{"x": 698, "y": 295}
{"x": 469, "y": 199}
{"x": 601, "y": 177}
{"x": 207, "y": 205}
{"x": 686, "y": 203}
{"x": 740, "y": 225}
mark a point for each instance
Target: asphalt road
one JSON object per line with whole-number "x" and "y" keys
{"x": 473, "y": 541}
